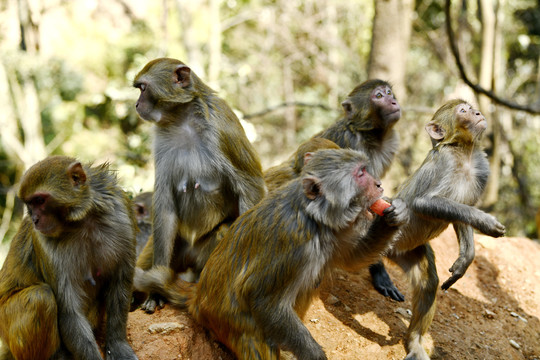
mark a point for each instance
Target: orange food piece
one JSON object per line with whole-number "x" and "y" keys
{"x": 378, "y": 206}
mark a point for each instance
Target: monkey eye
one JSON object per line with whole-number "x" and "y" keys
{"x": 37, "y": 201}
{"x": 389, "y": 92}
{"x": 378, "y": 96}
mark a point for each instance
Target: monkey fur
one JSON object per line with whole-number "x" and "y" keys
{"x": 443, "y": 190}
{"x": 206, "y": 171}
{"x": 68, "y": 273}
{"x": 260, "y": 280}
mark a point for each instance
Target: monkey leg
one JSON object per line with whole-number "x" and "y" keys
{"x": 28, "y": 323}
{"x": 383, "y": 283}
{"x": 419, "y": 264}
{"x": 247, "y": 346}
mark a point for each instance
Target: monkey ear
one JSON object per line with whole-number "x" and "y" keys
{"x": 76, "y": 174}
{"x": 183, "y": 74}
{"x": 312, "y": 187}
{"x": 348, "y": 107}
{"x": 435, "y": 131}
{"x": 307, "y": 157}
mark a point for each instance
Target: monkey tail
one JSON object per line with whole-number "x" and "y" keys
{"x": 163, "y": 281}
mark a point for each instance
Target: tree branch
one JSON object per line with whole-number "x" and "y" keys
{"x": 287, "y": 104}
{"x": 532, "y": 109}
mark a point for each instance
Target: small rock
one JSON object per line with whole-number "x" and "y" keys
{"x": 315, "y": 321}
{"x": 165, "y": 328}
{"x": 348, "y": 309}
{"x": 455, "y": 315}
{"x": 489, "y": 314}
{"x": 515, "y": 344}
{"x": 404, "y": 312}
{"x": 516, "y": 315}
{"x": 332, "y": 300}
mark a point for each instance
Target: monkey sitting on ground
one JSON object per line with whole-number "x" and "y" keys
{"x": 370, "y": 113}
{"x": 261, "y": 278}
{"x": 443, "y": 190}
{"x": 206, "y": 171}
{"x": 68, "y": 273}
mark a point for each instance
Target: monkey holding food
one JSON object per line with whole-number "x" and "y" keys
{"x": 261, "y": 278}
{"x": 443, "y": 190}
{"x": 69, "y": 270}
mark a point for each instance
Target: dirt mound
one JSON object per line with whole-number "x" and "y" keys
{"x": 493, "y": 312}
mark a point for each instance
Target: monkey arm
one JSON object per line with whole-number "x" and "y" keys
{"x": 437, "y": 207}
{"x": 466, "y": 254}
{"x": 75, "y": 330}
{"x": 164, "y": 229}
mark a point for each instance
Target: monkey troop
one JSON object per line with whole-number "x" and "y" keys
{"x": 443, "y": 190}
{"x": 206, "y": 171}
{"x": 68, "y": 273}
{"x": 260, "y": 280}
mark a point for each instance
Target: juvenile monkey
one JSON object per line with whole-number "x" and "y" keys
{"x": 443, "y": 190}
{"x": 142, "y": 205}
{"x": 260, "y": 280}
{"x": 206, "y": 171}
{"x": 68, "y": 273}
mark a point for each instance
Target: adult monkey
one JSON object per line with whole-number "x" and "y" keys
{"x": 260, "y": 280}
{"x": 371, "y": 111}
{"x": 443, "y": 190}
{"x": 206, "y": 171}
{"x": 68, "y": 273}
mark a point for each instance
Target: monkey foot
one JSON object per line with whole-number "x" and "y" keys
{"x": 383, "y": 284}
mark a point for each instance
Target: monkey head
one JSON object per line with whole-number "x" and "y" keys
{"x": 164, "y": 84}
{"x": 55, "y": 192}
{"x": 456, "y": 121}
{"x": 372, "y": 105}
{"x": 337, "y": 186}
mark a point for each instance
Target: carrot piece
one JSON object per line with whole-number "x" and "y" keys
{"x": 378, "y": 206}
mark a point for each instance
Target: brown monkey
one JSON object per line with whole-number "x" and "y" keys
{"x": 69, "y": 269}
{"x": 443, "y": 190}
{"x": 142, "y": 205}
{"x": 260, "y": 280}
{"x": 206, "y": 171}
{"x": 371, "y": 111}
{"x": 278, "y": 175}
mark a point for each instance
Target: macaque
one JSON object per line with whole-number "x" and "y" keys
{"x": 278, "y": 175}
{"x": 142, "y": 205}
{"x": 443, "y": 190}
{"x": 206, "y": 171}
{"x": 260, "y": 280}
{"x": 67, "y": 277}
{"x": 371, "y": 111}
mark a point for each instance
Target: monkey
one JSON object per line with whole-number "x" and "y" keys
{"x": 278, "y": 175}
{"x": 142, "y": 205}
{"x": 259, "y": 282}
{"x": 206, "y": 171}
{"x": 371, "y": 111}
{"x": 443, "y": 190}
{"x": 68, "y": 274}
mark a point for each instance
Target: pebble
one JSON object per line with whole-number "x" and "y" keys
{"x": 516, "y": 315}
{"x": 165, "y": 328}
{"x": 332, "y": 300}
{"x": 515, "y": 344}
{"x": 404, "y": 312}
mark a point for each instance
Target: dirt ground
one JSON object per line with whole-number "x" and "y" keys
{"x": 493, "y": 312}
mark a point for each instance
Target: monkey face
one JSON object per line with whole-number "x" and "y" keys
{"x": 385, "y": 104}
{"x": 43, "y": 217}
{"x": 369, "y": 188}
{"x": 470, "y": 118}
{"x": 146, "y": 104}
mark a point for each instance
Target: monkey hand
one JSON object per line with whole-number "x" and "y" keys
{"x": 458, "y": 269}
{"x": 397, "y": 214}
{"x": 490, "y": 226}
{"x": 153, "y": 302}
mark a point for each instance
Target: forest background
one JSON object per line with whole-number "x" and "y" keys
{"x": 284, "y": 66}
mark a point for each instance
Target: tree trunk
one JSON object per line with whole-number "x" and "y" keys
{"x": 390, "y": 43}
